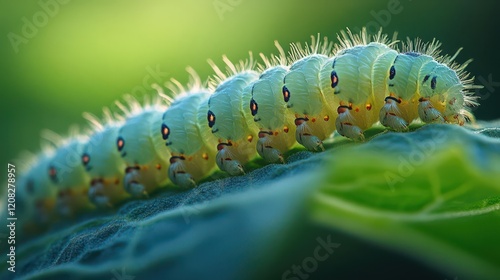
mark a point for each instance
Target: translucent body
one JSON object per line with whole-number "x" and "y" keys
{"x": 105, "y": 167}
{"x": 264, "y": 100}
{"x": 314, "y": 116}
{"x": 231, "y": 123}
{"x": 36, "y": 195}
{"x": 68, "y": 175}
{"x": 141, "y": 146}
{"x": 192, "y": 153}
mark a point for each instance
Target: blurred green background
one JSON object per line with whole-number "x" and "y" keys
{"x": 66, "y": 58}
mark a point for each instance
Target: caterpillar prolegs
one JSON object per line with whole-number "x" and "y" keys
{"x": 252, "y": 108}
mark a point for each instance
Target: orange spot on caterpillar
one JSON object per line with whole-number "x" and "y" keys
{"x": 285, "y": 129}
{"x": 313, "y": 119}
{"x": 326, "y": 118}
{"x": 120, "y": 143}
{"x": 356, "y": 110}
{"x": 368, "y": 106}
{"x": 52, "y": 172}
{"x": 250, "y": 138}
{"x": 85, "y": 159}
{"x": 158, "y": 166}
{"x": 275, "y": 133}
{"x": 204, "y": 156}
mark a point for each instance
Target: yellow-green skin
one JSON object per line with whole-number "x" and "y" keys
{"x": 364, "y": 81}
{"x": 232, "y": 123}
{"x": 307, "y": 100}
{"x": 70, "y": 179}
{"x": 270, "y": 113}
{"x": 105, "y": 167}
{"x": 144, "y": 150}
{"x": 192, "y": 151}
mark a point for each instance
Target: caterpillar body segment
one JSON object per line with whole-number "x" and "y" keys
{"x": 228, "y": 122}
{"x": 314, "y": 118}
{"x": 229, "y": 119}
{"x": 275, "y": 121}
{"x": 349, "y": 85}
{"x": 105, "y": 167}
{"x": 142, "y": 147}
{"x": 303, "y": 97}
{"x": 36, "y": 195}
{"x": 68, "y": 176}
{"x": 192, "y": 152}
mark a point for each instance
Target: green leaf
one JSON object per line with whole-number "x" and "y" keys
{"x": 433, "y": 195}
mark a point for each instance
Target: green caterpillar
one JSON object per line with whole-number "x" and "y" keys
{"x": 247, "y": 110}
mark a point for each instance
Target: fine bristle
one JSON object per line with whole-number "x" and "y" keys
{"x": 273, "y": 60}
{"x": 347, "y": 39}
{"x": 130, "y": 106}
{"x": 231, "y": 69}
{"x": 433, "y": 49}
{"x": 52, "y": 139}
{"x": 178, "y": 90}
{"x": 317, "y": 46}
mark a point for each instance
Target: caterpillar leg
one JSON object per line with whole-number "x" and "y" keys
{"x": 226, "y": 160}
{"x": 427, "y": 112}
{"x": 44, "y": 210}
{"x": 265, "y": 148}
{"x": 346, "y": 124}
{"x": 390, "y": 115}
{"x": 97, "y": 194}
{"x": 178, "y": 174}
{"x": 131, "y": 182}
{"x": 304, "y": 136}
{"x": 70, "y": 202}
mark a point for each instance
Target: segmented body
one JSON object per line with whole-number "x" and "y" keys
{"x": 248, "y": 110}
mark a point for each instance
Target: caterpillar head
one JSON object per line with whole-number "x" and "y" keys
{"x": 445, "y": 96}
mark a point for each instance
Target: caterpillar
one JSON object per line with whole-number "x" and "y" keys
{"x": 247, "y": 110}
